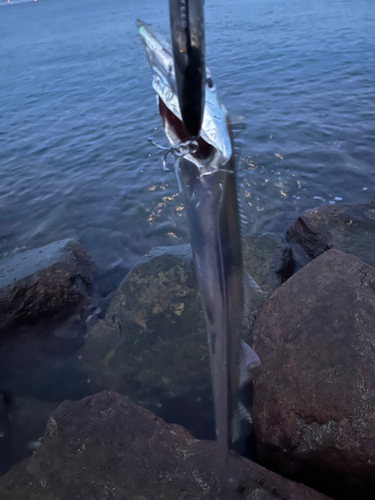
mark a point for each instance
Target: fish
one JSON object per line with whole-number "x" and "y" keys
{"x": 188, "y": 46}
{"x": 207, "y": 176}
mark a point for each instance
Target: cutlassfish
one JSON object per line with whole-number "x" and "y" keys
{"x": 206, "y": 171}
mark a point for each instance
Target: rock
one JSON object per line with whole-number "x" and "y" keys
{"x": 268, "y": 260}
{"x": 43, "y": 281}
{"x": 153, "y": 333}
{"x": 152, "y": 344}
{"x": 105, "y": 447}
{"x": 314, "y": 392}
{"x": 350, "y": 227}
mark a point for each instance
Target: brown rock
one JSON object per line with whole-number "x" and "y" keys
{"x": 105, "y": 447}
{"x": 314, "y": 393}
{"x": 350, "y": 227}
{"x": 43, "y": 281}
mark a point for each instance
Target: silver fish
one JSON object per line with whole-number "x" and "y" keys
{"x": 207, "y": 175}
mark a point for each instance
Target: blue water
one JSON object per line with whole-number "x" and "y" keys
{"x": 77, "y": 107}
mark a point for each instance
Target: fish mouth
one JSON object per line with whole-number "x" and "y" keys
{"x": 203, "y": 152}
{"x": 213, "y": 149}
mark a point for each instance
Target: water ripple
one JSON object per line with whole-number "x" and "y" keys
{"x": 77, "y": 108}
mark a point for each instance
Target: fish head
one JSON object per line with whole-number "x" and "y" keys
{"x": 213, "y": 150}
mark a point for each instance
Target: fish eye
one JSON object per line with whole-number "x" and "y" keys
{"x": 210, "y": 82}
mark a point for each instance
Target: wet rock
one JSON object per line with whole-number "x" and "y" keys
{"x": 153, "y": 334}
{"x": 107, "y": 447}
{"x": 152, "y": 344}
{"x": 314, "y": 393}
{"x": 43, "y": 281}
{"x": 268, "y": 260}
{"x": 350, "y": 227}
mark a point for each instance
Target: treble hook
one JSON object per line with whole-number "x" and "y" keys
{"x": 188, "y": 147}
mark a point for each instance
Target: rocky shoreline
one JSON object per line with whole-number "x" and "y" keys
{"x": 311, "y": 323}
{"x": 105, "y": 446}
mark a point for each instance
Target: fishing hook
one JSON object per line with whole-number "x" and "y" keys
{"x": 188, "y": 147}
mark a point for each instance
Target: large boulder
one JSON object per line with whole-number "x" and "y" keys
{"x": 43, "y": 281}
{"x": 314, "y": 392}
{"x": 106, "y": 447}
{"x": 350, "y": 227}
{"x": 153, "y": 333}
{"x": 152, "y": 344}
